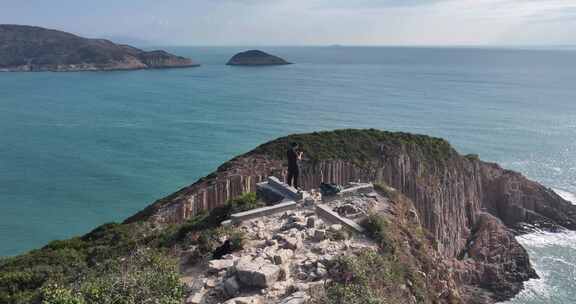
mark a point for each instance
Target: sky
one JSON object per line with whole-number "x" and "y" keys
{"x": 306, "y": 22}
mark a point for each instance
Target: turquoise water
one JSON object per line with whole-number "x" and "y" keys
{"x": 81, "y": 149}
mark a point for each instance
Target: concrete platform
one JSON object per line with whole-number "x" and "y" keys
{"x": 326, "y": 213}
{"x": 358, "y": 188}
{"x": 283, "y": 188}
{"x": 264, "y": 211}
{"x": 268, "y": 193}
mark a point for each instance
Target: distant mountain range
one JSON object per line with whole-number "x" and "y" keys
{"x": 30, "y": 48}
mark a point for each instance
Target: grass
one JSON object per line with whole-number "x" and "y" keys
{"x": 357, "y": 145}
{"x": 378, "y": 228}
{"x": 60, "y": 261}
{"x": 369, "y": 277}
{"x": 145, "y": 276}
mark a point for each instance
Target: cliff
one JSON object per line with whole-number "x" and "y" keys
{"x": 28, "y": 48}
{"x": 462, "y": 201}
{"x": 256, "y": 58}
{"x": 448, "y": 233}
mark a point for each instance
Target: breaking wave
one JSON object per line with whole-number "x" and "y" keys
{"x": 553, "y": 255}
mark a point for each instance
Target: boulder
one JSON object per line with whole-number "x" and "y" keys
{"x": 282, "y": 256}
{"x": 347, "y": 209}
{"x": 216, "y": 266}
{"x": 195, "y": 298}
{"x": 299, "y": 297}
{"x": 311, "y": 222}
{"x": 231, "y": 287}
{"x": 321, "y": 270}
{"x": 293, "y": 243}
{"x": 245, "y": 300}
{"x": 257, "y": 274}
{"x": 319, "y": 235}
{"x": 335, "y": 227}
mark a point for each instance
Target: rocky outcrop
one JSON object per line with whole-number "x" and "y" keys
{"x": 462, "y": 201}
{"x": 29, "y": 48}
{"x": 256, "y": 58}
{"x": 494, "y": 260}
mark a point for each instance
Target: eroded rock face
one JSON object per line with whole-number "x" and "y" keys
{"x": 494, "y": 259}
{"x": 451, "y": 193}
{"x": 29, "y": 48}
{"x": 256, "y": 58}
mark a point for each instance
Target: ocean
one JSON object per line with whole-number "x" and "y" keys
{"x": 81, "y": 149}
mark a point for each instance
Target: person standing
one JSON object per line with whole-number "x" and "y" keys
{"x": 294, "y": 155}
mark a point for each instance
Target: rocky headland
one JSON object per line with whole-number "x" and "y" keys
{"x": 30, "y": 48}
{"x": 436, "y": 227}
{"x": 256, "y": 58}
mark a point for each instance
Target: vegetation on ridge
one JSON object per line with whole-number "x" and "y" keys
{"x": 145, "y": 276}
{"x": 356, "y": 145}
{"x": 65, "y": 269}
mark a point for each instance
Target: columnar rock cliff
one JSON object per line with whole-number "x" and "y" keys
{"x": 28, "y": 48}
{"x": 468, "y": 205}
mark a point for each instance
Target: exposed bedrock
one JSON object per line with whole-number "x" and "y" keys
{"x": 459, "y": 199}
{"x": 493, "y": 260}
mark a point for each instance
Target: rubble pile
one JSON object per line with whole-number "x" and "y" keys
{"x": 285, "y": 255}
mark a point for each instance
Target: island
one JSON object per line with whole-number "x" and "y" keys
{"x": 414, "y": 221}
{"x": 256, "y": 58}
{"x": 30, "y": 49}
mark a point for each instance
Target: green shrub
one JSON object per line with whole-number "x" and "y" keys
{"x": 146, "y": 276}
{"x": 368, "y": 278}
{"x": 378, "y": 228}
{"x": 211, "y": 220}
{"x": 53, "y": 294}
{"x": 245, "y": 202}
{"x": 359, "y": 146}
{"x": 64, "y": 262}
{"x": 472, "y": 157}
{"x": 387, "y": 191}
{"x": 23, "y": 277}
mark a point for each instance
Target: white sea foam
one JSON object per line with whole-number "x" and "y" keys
{"x": 547, "y": 239}
{"x": 569, "y": 196}
{"x": 552, "y": 257}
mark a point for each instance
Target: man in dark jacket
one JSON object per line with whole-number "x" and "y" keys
{"x": 293, "y": 171}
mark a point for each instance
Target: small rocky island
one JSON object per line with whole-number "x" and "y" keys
{"x": 29, "y": 48}
{"x": 256, "y": 58}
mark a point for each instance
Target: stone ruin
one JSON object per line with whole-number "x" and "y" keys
{"x": 288, "y": 246}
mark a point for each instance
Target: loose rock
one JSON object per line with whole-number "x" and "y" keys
{"x": 254, "y": 274}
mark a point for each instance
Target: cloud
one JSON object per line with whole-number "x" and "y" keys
{"x": 373, "y": 4}
{"x": 287, "y": 22}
